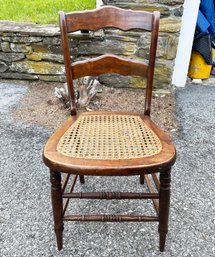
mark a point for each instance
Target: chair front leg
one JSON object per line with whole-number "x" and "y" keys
{"x": 164, "y": 202}
{"x": 57, "y": 205}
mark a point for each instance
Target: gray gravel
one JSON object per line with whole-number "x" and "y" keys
{"x": 25, "y": 210}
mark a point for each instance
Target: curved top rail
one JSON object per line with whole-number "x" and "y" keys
{"x": 109, "y": 17}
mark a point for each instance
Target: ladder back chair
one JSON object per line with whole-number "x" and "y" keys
{"x": 109, "y": 143}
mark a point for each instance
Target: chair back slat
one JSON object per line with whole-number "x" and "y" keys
{"x": 109, "y": 17}
{"x": 109, "y": 64}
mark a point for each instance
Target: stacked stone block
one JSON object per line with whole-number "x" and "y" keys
{"x": 30, "y": 51}
{"x": 33, "y": 52}
{"x": 170, "y": 24}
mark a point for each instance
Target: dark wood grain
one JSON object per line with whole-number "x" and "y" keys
{"x": 165, "y": 179}
{"x": 152, "y": 55}
{"x": 151, "y": 190}
{"x": 56, "y": 194}
{"x": 156, "y": 181}
{"x": 142, "y": 179}
{"x": 111, "y": 195}
{"x": 109, "y": 63}
{"x": 66, "y": 202}
{"x": 67, "y": 62}
{"x": 65, "y": 182}
{"x": 81, "y": 178}
{"x": 110, "y": 218}
{"x": 109, "y": 17}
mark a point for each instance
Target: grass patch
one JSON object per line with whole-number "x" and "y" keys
{"x": 40, "y": 11}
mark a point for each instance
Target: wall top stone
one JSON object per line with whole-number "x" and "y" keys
{"x": 25, "y": 28}
{"x": 166, "y": 2}
{"x": 171, "y": 2}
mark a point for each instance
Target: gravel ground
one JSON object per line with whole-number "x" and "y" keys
{"x": 41, "y": 107}
{"x": 26, "y": 228}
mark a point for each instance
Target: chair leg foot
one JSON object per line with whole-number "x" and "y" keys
{"x": 59, "y": 237}
{"x": 142, "y": 179}
{"x": 164, "y": 202}
{"x": 57, "y": 205}
{"x": 162, "y": 241}
{"x": 81, "y": 178}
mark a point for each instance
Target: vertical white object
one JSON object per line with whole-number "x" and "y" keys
{"x": 99, "y": 3}
{"x": 185, "y": 43}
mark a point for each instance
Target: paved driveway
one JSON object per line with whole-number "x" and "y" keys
{"x": 25, "y": 210}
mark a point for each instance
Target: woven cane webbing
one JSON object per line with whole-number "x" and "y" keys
{"x": 109, "y": 137}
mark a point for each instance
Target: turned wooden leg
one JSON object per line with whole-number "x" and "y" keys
{"x": 57, "y": 205}
{"x": 164, "y": 202}
{"x": 81, "y": 178}
{"x": 142, "y": 179}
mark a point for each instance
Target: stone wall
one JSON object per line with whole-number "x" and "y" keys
{"x": 32, "y": 51}
{"x": 170, "y": 24}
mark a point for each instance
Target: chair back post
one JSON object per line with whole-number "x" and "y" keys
{"x": 153, "y": 48}
{"x": 67, "y": 62}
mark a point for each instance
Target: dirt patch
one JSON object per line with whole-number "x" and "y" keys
{"x": 41, "y": 107}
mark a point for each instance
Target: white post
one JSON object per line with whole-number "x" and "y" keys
{"x": 99, "y": 3}
{"x": 185, "y": 43}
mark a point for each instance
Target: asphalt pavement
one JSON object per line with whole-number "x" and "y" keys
{"x": 26, "y": 224}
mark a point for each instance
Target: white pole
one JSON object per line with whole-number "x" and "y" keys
{"x": 185, "y": 43}
{"x": 99, "y": 3}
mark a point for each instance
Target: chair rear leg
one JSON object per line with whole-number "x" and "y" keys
{"x": 81, "y": 178}
{"x": 142, "y": 179}
{"x": 164, "y": 201}
{"x": 57, "y": 205}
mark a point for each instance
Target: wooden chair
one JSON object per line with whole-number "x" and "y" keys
{"x": 110, "y": 143}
